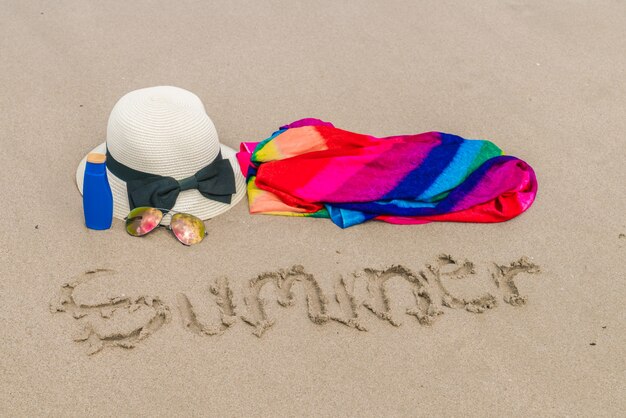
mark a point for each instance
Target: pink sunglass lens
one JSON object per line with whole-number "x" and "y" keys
{"x": 142, "y": 220}
{"x": 187, "y": 228}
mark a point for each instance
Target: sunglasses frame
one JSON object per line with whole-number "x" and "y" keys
{"x": 164, "y": 213}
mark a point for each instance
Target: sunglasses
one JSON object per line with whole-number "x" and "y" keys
{"x": 187, "y": 228}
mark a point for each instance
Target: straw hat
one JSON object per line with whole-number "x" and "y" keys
{"x": 164, "y": 131}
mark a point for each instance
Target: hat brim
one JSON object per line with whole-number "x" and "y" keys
{"x": 189, "y": 201}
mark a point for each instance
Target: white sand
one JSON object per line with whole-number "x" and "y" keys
{"x": 543, "y": 80}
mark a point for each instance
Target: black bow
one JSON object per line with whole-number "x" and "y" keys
{"x": 216, "y": 181}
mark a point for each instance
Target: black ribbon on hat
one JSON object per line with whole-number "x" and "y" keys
{"x": 216, "y": 181}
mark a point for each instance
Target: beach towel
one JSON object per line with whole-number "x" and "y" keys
{"x": 311, "y": 168}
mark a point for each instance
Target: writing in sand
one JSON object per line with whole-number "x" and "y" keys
{"x": 124, "y": 321}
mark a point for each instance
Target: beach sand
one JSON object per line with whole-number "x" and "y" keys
{"x": 524, "y": 318}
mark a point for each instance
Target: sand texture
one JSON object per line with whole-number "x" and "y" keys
{"x": 278, "y": 316}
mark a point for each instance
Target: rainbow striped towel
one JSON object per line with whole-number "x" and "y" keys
{"x": 311, "y": 168}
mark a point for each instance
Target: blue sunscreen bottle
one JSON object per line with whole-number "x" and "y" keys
{"x": 97, "y": 196}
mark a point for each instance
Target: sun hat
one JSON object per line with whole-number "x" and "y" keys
{"x": 165, "y": 131}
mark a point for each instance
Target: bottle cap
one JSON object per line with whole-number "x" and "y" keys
{"x": 96, "y": 158}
